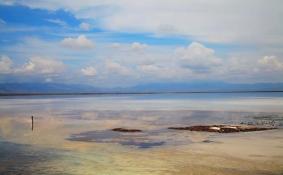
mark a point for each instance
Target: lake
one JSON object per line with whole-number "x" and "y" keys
{"x": 72, "y": 134}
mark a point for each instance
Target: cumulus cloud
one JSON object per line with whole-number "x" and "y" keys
{"x": 35, "y": 65}
{"x": 114, "y": 67}
{"x": 197, "y": 57}
{"x": 81, "y": 42}
{"x": 5, "y": 64}
{"x": 88, "y": 71}
{"x": 42, "y": 65}
{"x": 271, "y": 63}
{"x": 85, "y": 26}
{"x": 157, "y": 63}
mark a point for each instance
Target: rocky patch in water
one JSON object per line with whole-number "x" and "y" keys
{"x": 126, "y": 130}
{"x": 223, "y": 128}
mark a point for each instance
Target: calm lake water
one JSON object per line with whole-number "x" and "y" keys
{"x": 72, "y": 134}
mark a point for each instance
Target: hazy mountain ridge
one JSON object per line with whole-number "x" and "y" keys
{"x": 209, "y": 86}
{"x": 45, "y": 88}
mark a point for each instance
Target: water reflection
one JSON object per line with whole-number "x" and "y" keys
{"x": 73, "y": 135}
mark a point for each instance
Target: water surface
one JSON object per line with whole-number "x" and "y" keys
{"x": 72, "y": 134}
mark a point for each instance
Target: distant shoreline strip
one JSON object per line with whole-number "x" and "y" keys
{"x": 132, "y": 93}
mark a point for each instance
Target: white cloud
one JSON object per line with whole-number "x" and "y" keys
{"x": 89, "y": 71}
{"x": 253, "y": 21}
{"x": 81, "y": 42}
{"x": 58, "y": 22}
{"x": 5, "y": 64}
{"x": 85, "y": 26}
{"x": 154, "y": 71}
{"x": 114, "y": 67}
{"x": 149, "y": 68}
{"x": 42, "y": 65}
{"x": 156, "y": 63}
{"x": 271, "y": 63}
{"x": 138, "y": 46}
{"x": 214, "y": 21}
{"x": 30, "y": 46}
{"x": 197, "y": 57}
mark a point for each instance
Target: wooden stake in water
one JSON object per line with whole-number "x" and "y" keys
{"x": 32, "y": 123}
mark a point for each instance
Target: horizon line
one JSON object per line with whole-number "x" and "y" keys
{"x": 137, "y": 93}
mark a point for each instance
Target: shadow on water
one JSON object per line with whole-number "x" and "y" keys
{"x": 143, "y": 145}
{"x": 141, "y": 140}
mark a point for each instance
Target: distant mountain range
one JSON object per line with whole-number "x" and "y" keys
{"x": 207, "y": 87}
{"x": 45, "y": 88}
{"x": 34, "y": 88}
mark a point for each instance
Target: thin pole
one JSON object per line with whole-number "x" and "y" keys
{"x": 32, "y": 123}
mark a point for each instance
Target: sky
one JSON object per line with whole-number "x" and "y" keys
{"x": 120, "y": 43}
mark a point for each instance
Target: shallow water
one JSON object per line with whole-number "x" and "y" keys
{"x": 72, "y": 134}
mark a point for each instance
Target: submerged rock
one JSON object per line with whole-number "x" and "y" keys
{"x": 223, "y": 128}
{"x": 126, "y": 130}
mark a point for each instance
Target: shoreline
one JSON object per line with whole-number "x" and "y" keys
{"x": 134, "y": 93}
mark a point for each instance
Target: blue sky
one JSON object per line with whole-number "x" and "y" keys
{"x": 124, "y": 43}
